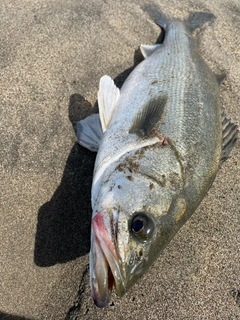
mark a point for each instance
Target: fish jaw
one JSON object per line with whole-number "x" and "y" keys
{"x": 105, "y": 262}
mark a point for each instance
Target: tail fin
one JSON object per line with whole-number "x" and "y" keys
{"x": 162, "y": 21}
{"x": 194, "y": 21}
{"x": 198, "y": 19}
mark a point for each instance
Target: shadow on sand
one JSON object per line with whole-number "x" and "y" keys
{"x": 6, "y": 316}
{"x": 63, "y": 228}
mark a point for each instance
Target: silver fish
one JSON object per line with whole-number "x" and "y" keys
{"x": 160, "y": 141}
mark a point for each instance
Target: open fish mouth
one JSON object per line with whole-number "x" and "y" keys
{"x": 105, "y": 263}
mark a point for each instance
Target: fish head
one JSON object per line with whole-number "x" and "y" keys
{"x": 127, "y": 233}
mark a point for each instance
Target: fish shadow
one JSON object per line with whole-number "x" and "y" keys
{"x": 6, "y": 316}
{"x": 64, "y": 222}
{"x": 63, "y": 227}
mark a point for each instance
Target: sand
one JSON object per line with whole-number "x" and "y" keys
{"x": 53, "y": 54}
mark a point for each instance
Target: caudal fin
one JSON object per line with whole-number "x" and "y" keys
{"x": 195, "y": 20}
{"x": 198, "y": 19}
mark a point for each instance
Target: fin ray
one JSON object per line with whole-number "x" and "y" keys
{"x": 108, "y": 95}
{"x": 89, "y": 132}
{"x": 148, "y": 118}
{"x": 230, "y": 136}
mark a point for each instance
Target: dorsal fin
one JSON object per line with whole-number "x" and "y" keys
{"x": 89, "y": 132}
{"x": 229, "y": 134}
{"x": 108, "y": 95}
{"x": 147, "y": 49}
{"x": 149, "y": 116}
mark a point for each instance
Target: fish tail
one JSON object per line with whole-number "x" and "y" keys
{"x": 198, "y": 19}
{"x": 162, "y": 21}
{"x": 195, "y": 20}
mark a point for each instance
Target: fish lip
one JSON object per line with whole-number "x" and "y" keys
{"x": 98, "y": 267}
{"x": 106, "y": 269}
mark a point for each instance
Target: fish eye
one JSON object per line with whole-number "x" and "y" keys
{"x": 142, "y": 226}
{"x": 137, "y": 225}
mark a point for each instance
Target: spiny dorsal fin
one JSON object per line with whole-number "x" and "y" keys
{"x": 149, "y": 116}
{"x": 108, "y": 95}
{"x": 89, "y": 132}
{"x": 147, "y": 50}
{"x": 230, "y": 133}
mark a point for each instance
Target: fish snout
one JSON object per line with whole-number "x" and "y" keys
{"x": 105, "y": 261}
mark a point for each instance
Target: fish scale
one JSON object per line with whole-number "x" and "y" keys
{"x": 160, "y": 140}
{"x": 176, "y": 67}
{"x": 181, "y": 116}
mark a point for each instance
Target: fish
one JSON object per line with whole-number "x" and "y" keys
{"x": 160, "y": 141}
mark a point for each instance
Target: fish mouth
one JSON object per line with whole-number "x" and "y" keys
{"x": 105, "y": 262}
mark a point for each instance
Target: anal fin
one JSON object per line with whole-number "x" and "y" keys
{"x": 89, "y": 132}
{"x": 230, "y": 133}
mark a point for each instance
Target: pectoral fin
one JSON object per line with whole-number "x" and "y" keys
{"x": 108, "y": 95}
{"x": 230, "y": 133}
{"x": 89, "y": 132}
{"x": 149, "y": 116}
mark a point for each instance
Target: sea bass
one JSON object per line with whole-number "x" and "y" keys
{"x": 160, "y": 141}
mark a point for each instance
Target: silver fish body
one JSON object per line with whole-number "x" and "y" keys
{"x": 164, "y": 137}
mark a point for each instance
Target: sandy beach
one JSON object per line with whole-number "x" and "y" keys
{"x": 52, "y": 55}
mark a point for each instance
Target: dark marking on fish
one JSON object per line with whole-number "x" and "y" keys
{"x": 148, "y": 118}
{"x": 154, "y": 82}
{"x": 119, "y": 187}
{"x": 151, "y": 186}
{"x": 121, "y": 167}
{"x": 131, "y": 164}
{"x": 140, "y": 153}
{"x": 175, "y": 181}
{"x": 155, "y": 132}
{"x": 130, "y": 178}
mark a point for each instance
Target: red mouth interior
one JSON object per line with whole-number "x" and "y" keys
{"x": 106, "y": 268}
